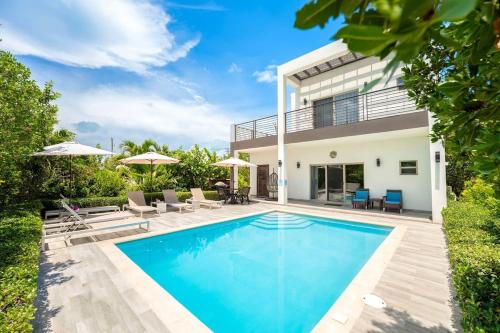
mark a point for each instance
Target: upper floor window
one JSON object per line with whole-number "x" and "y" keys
{"x": 400, "y": 83}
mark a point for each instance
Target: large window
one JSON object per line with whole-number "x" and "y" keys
{"x": 323, "y": 112}
{"x": 346, "y": 108}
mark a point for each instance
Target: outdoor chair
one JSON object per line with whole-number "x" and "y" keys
{"x": 361, "y": 198}
{"x": 272, "y": 185}
{"x": 75, "y": 224}
{"x": 171, "y": 200}
{"x": 222, "y": 192}
{"x": 198, "y": 196}
{"x": 243, "y": 194}
{"x": 393, "y": 200}
{"x": 137, "y": 203}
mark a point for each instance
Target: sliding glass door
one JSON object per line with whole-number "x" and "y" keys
{"x": 336, "y": 183}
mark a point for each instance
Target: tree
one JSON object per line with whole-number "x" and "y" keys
{"x": 451, "y": 49}
{"x": 28, "y": 116}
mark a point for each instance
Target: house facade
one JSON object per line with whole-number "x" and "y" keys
{"x": 329, "y": 138}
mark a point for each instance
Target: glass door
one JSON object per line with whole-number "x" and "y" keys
{"x": 318, "y": 182}
{"x": 335, "y": 176}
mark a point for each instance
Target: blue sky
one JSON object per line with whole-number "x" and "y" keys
{"x": 179, "y": 72}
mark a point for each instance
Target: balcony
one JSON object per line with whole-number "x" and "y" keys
{"x": 334, "y": 116}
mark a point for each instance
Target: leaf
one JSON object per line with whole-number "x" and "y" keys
{"x": 367, "y": 39}
{"x": 317, "y": 13}
{"x": 454, "y": 10}
{"x": 450, "y": 88}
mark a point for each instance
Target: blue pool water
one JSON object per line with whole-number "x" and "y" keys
{"x": 273, "y": 272}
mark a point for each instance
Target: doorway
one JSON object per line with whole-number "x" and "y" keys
{"x": 262, "y": 176}
{"x": 336, "y": 183}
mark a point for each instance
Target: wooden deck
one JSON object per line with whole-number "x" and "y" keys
{"x": 81, "y": 289}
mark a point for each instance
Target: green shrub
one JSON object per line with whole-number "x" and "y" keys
{"x": 478, "y": 192}
{"x": 20, "y": 232}
{"x": 473, "y": 233}
{"x": 120, "y": 200}
{"x": 107, "y": 183}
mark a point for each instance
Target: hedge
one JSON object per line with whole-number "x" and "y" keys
{"x": 20, "y": 232}
{"x": 473, "y": 233}
{"x": 49, "y": 204}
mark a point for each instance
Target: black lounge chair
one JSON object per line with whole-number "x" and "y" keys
{"x": 243, "y": 194}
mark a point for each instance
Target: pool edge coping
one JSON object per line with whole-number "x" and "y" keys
{"x": 178, "y": 318}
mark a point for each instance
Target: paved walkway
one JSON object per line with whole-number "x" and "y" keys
{"x": 81, "y": 290}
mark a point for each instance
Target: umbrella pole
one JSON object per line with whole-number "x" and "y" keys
{"x": 70, "y": 176}
{"x": 151, "y": 177}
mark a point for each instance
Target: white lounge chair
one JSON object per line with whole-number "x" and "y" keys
{"x": 82, "y": 211}
{"x": 200, "y": 197}
{"x": 137, "y": 203}
{"x": 172, "y": 201}
{"x": 75, "y": 224}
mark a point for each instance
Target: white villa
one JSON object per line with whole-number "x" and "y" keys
{"x": 329, "y": 139}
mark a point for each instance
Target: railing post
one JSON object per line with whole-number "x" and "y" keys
{"x": 365, "y": 101}
{"x": 254, "y": 133}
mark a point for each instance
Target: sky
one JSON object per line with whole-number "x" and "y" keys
{"x": 179, "y": 72}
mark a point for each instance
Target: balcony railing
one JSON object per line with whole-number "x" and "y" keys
{"x": 258, "y": 128}
{"x": 339, "y": 111}
{"x": 335, "y": 111}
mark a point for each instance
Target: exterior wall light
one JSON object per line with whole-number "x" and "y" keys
{"x": 438, "y": 157}
{"x": 305, "y": 101}
{"x": 298, "y": 165}
{"x": 378, "y": 162}
{"x": 280, "y": 163}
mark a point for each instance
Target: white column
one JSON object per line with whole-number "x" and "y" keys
{"x": 438, "y": 176}
{"x": 282, "y": 177}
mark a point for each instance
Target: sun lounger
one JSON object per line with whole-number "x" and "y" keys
{"x": 137, "y": 203}
{"x": 75, "y": 224}
{"x": 172, "y": 201}
{"x": 200, "y": 197}
{"x": 82, "y": 211}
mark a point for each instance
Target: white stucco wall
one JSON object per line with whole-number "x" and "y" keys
{"x": 347, "y": 78}
{"x": 390, "y": 148}
{"x": 416, "y": 188}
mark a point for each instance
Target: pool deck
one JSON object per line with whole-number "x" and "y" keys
{"x": 82, "y": 289}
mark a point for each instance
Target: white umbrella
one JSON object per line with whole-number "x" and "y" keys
{"x": 71, "y": 148}
{"x": 232, "y": 162}
{"x": 150, "y": 158}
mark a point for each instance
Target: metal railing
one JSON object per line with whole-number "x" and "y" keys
{"x": 335, "y": 111}
{"x": 373, "y": 105}
{"x": 258, "y": 128}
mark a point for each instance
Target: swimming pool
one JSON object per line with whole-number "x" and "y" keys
{"x": 273, "y": 272}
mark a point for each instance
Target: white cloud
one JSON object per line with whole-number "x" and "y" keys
{"x": 267, "y": 75}
{"x": 234, "y": 68}
{"x": 130, "y": 34}
{"x": 179, "y": 117}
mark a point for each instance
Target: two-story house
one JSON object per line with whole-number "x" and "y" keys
{"x": 329, "y": 138}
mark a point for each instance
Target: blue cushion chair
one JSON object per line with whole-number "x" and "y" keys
{"x": 394, "y": 200}
{"x": 361, "y": 198}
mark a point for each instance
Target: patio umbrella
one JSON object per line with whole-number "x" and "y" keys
{"x": 71, "y": 148}
{"x": 232, "y": 162}
{"x": 150, "y": 158}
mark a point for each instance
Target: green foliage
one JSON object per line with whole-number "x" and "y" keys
{"x": 451, "y": 48}
{"x": 20, "y": 232}
{"x": 27, "y": 119}
{"x": 473, "y": 233}
{"x": 480, "y": 193}
{"x": 458, "y": 171}
{"x": 49, "y": 204}
{"x": 106, "y": 183}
